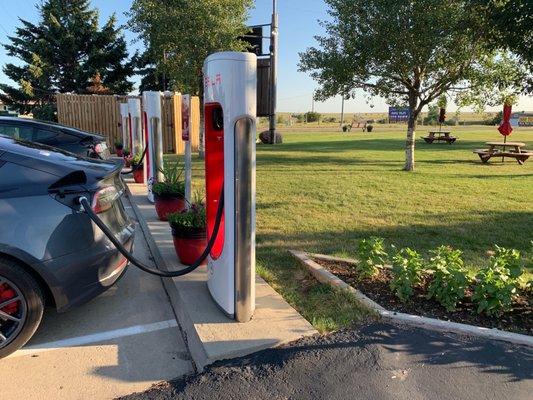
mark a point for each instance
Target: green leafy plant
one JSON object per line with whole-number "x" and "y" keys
{"x": 372, "y": 256}
{"x": 450, "y": 279}
{"x": 497, "y": 285}
{"x": 192, "y": 218}
{"x": 407, "y": 272}
{"x": 136, "y": 160}
{"x": 119, "y": 145}
{"x": 173, "y": 185}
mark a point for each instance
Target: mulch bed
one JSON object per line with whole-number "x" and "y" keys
{"x": 519, "y": 320}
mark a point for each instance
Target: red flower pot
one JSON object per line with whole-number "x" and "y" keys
{"x": 138, "y": 175}
{"x": 120, "y": 152}
{"x": 189, "y": 245}
{"x": 167, "y": 205}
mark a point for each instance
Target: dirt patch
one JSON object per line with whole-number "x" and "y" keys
{"x": 518, "y": 320}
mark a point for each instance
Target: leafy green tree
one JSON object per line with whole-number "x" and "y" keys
{"x": 433, "y": 115}
{"x": 182, "y": 33}
{"x": 63, "y": 52}
{"x": 407, "y": 51}
{"x": 151, "y": 77}
{"x": 508, "y": 25}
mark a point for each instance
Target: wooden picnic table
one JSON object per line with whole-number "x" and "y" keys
{"x": 499, "y": 149}
{"x": 443, "y": 136}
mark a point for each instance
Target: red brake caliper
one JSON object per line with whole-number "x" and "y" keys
{"x": 6, "y": 293}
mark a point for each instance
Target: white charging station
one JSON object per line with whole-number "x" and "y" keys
{"x": 135, "y": 125}
{"x": 154, "y": 140}
{"x": 124, "y": 125}
{"x": 230, "y": 85}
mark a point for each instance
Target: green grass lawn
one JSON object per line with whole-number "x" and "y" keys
{"x": 324, "y": 191}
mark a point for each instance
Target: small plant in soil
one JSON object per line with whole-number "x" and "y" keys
{"x": 449, "y": 279}
{"x": 407, "y": 272}
{"x": 194, "y": 218}
{"x": 372, "y": 256}
{"x": 497, "y": 285}
{"x": 173, "y": 185}
{"x": 137, "y": 159}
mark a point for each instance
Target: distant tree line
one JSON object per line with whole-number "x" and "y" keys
{"x": 66, "y": 50}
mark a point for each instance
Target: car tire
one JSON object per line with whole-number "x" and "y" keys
{"x": 14, "y": 275}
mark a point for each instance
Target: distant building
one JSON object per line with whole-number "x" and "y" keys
{"x": 522, "y": 119}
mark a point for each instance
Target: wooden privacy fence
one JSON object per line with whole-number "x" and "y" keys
{"x": 101, "y": 114}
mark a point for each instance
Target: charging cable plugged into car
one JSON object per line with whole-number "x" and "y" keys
{"x": 92, "y": 211}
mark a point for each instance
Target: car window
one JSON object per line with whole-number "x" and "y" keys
{"x": 45, "y": 136}
{"x": 17, "y": 131}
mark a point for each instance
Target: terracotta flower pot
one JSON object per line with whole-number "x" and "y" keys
{"x": 165, "y": 205}
{"x": 138, "y": 175}
{"x": 189, "y": 244}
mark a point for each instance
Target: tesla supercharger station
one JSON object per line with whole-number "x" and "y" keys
{"x": 229, "y": 114}
{"x": 154, "y": 140}
{"x": 135, "y": 126}
{"x": 124, "y": 125}
{"x": 186, "y": 137}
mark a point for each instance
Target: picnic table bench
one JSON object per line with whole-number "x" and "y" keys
{"x": 519, "y": 154}
{"x": 441, "y": 136}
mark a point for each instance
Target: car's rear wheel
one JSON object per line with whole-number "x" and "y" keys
{"x": 21, "y": 306}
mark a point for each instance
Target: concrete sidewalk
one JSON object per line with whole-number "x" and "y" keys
{"x": 210, "y": 335}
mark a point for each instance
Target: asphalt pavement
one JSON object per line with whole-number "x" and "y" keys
{"x": 377, "y": 361}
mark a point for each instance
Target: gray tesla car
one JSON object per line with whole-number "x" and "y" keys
{"x": 50, "y": 251}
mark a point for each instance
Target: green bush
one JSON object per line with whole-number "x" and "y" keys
{"x": 312, "y": 116}
{"x": 372, "y": 256}
{"x": 192, "y": 218}
{"x": 407, "y": 272}
{"x": 450, "y": 279}
{"x": 497, "y": 285}
{"x": 173, "y": 185}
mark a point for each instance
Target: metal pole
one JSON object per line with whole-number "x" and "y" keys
{"x": 273, "y": 71}
{"x": 342, "y": 111}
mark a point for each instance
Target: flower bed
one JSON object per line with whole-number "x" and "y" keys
{"x": 377, "y": 287}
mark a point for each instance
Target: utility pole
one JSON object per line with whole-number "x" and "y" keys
{"x": 273, "y": 71}
{"x": 342, "y": 111}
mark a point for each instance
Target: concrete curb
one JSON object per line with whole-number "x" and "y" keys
{"x": 191, "y": 340}
{"x": 209, "y": 335}
{"x": 326, "y": 277}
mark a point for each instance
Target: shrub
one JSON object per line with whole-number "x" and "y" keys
{"x": 450, "y": 279}
{"x": 372, "y": 256}
{"x": 312, "y": 116}
{"x": 369, "y": 128}
{"x": 407, "y": 272}
{"x": 173, "y": 185}
{"x": 497, "y": 285}
{"x": 192, "y": 218}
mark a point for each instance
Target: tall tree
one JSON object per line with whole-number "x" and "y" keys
{"x": 180, "y": 34}
{"x": 508, "y": 24}
{"x": 407, "y": 51}
{"x": 63, "y": 52}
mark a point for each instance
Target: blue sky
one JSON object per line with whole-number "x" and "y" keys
{"x": 298, "y": 25}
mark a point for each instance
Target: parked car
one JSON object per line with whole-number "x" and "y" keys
{"x": 63, "y": 137}
{"x": 51, "y": 253}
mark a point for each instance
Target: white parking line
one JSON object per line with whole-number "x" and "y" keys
{"x": 95, "y": 338}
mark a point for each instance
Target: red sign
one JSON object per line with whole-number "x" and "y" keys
{"x": 185, "y": 117}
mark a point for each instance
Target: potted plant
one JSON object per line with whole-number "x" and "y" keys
{"x": 137, "y": 165}
{"x": 169, "y": 195}
{"x": 119, "y": 149}
{"x": 127, "y": 158}
{"x": 189, "y": 233}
